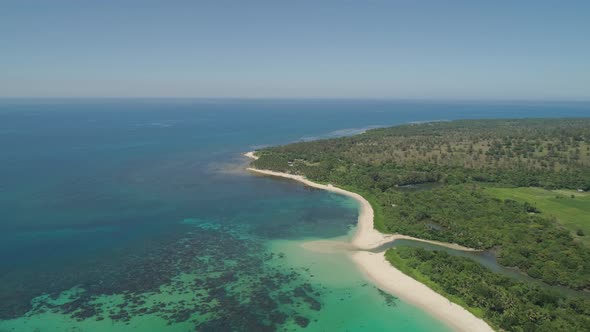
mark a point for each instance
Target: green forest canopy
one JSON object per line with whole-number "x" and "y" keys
{"x": 478, "y": 167}
{"x": 505, "y": 303}
{"x": 465, "y": 157}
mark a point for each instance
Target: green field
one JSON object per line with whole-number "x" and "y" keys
{"x": 572, "y": 213}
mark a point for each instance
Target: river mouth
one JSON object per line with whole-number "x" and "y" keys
{"x": 486, "y": 258}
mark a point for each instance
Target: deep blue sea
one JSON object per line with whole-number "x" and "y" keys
{"x": 127, "y": 215}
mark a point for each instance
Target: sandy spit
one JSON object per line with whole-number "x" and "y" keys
{"x": 378, "y": 270}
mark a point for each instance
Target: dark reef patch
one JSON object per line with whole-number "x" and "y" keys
{"x": 211, "y": 277}
{"x": 390, "y": 300}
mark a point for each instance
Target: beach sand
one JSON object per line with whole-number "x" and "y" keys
{"x": 378, "y": 270}
{"x": 250, "y": 155}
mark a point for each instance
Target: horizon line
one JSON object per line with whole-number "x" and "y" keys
{"x": 409, "y": 99}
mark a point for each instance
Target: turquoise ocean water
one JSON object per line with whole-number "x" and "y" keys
{"x": 136, "y": 215}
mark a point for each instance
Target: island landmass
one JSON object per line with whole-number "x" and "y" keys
{"x": 460, "y": 184}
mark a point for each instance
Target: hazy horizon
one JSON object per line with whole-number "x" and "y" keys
{"x": 303, "y": 98}
{"x": 530, "y": 50}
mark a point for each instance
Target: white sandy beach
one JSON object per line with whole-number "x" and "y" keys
{"x": 378, "y": 270}
{"x": 250, "y": 155}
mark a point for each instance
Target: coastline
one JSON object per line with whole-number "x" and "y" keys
{"x": 378, "y": 270}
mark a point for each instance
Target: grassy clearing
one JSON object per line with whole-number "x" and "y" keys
{"x": 572, "y": 213}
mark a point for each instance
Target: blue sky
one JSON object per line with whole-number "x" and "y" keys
{"x": 351, "y": 49}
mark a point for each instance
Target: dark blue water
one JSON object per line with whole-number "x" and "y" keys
{"x": 93, "y": 186}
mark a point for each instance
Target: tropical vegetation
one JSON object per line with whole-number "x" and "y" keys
{"x": 463, "y": 182}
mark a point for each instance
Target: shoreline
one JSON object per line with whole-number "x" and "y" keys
{"x": 378, "y": 270}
